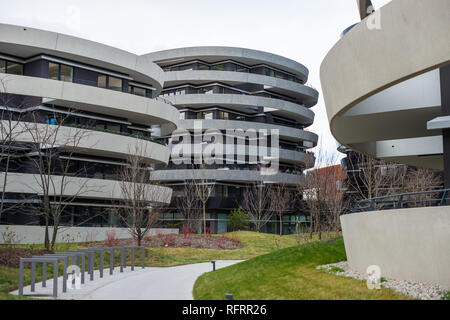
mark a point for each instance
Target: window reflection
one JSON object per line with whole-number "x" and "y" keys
{"x": 53, "y": 71}
{"x": 102, "y": 81}
{"x": 115, "y": 84}
{"x": 66, "y": 73}
{"x": 14, "y": 68}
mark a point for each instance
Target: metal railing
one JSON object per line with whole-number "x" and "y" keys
{"x": 76, "y": 257}
{"x": 432, "y": 198}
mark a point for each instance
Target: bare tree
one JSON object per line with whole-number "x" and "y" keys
{"x": 203, "y": 190}
{"x": 141, "y": 199}
{"x": 281, "y": 197}
{"x": 257, "y": 204}
{"x": 323, "y": 189}
{"x": 9, "y": 120}
{"x": 373, "y": 178}
{"x": 188, "y": 204}
{"x": 421, "y": 179}
{"x": 52, "y": 151}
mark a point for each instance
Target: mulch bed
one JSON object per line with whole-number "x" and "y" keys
{"x": 175, "y": 241}
{"x": 10, "y": 257}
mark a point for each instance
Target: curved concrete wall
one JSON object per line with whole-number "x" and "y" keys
{"x": 87, "y": 98}
{"x": 34, "y": 234}
{"x": 287, "y": 133}
{"x": 80, "y": 187}
{"x": 247, "y": 56}
{"x": 407, "y": 244}
{"x": 26, "y": 42}
{"x": 241, "y": 176}
{"x": 88, "y": 141}
{"x": 306, "y": 94}
{"x": 240, "y": 102}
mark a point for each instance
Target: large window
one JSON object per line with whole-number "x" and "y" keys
{"x": 207, "y": 115}
{"x": 102, "y": 81}
{"x": 139, "y": 91}
{"x": 109, "y": 82}
{"x": 115, "y": 84}
{"x": 14, "y": 68}
{"x": 66, "y": 73}
{"x": 11, "y": 67}
{"x": 60, "y": 72}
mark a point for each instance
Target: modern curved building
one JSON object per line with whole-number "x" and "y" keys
{"x": 388, "y": 98}
{"x": 226, "y": 89}
{"x": 103, "y": 93}
{"x": 386, "y": 85}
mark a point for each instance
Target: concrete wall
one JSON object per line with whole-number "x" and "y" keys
{"x": 407, "y": 244}
{"x": 35, "y": 234}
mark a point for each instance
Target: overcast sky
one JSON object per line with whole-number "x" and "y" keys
{"x": 302, "y": 30}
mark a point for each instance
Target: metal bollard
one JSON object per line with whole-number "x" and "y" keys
{"x": 214, "y": 265}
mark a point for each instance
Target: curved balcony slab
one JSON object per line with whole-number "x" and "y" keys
{"x": 89, "y": 141}
{"x": 80, "y": 187}
{"x": 245, "y": 103}
{"x": 246, "y": 56}
{"x": 87, "y": 98}
{"x": 286, "y": 133}
{"x": 304, "y": 94}
{"x": 238, "y": 176}
{"x": 27, "y": 42}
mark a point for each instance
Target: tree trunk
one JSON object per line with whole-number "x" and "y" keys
{"x": 281, "y": 225}
{"x": 204, "y": 218}
{"x": 55, "y": 232}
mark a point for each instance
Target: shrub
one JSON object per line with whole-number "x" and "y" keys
{"x": 111, "y": 238}
{"x": 238, "y": 220}
{"x": 234, "y": 239}
{"x": 446, "y": 295}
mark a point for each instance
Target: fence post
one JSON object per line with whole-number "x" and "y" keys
{"x": 44, "y": 274}
{"x": 21, "y": 277}
{"x": 55, "y": 278}
{"x": 372, "y": 205}
{"x": 444, "y": 199}
{"x": 400, "y": 202}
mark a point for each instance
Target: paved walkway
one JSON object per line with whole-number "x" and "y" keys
{"x": 173, "y": 283}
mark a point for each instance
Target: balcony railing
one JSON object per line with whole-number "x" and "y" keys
{"x": 432, "y": 198}
{"x": 137, "y": 136}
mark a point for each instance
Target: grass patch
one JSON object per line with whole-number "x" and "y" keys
{"x": 335, "y": 270}
{"x": 288, "y": 274}
{"x": 446, "y": 295}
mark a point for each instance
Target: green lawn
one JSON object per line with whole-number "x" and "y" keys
{"x": 255, "y": 244}
{"x": 288, "y": 274}
{"x": 277, "y": 268}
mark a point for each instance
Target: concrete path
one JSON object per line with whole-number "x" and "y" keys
{"x": 173, "y": 283}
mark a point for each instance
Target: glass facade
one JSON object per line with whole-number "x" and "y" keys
{"x": 115, "y": 84}
{"x": 102, "y": 81}
{"x": 14, "y": 68}
{"x": 60, "y": 72}
{"x": 235, "y": 67}
{"x": 66, "y": 73}
{"x": 11, "y": 67}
